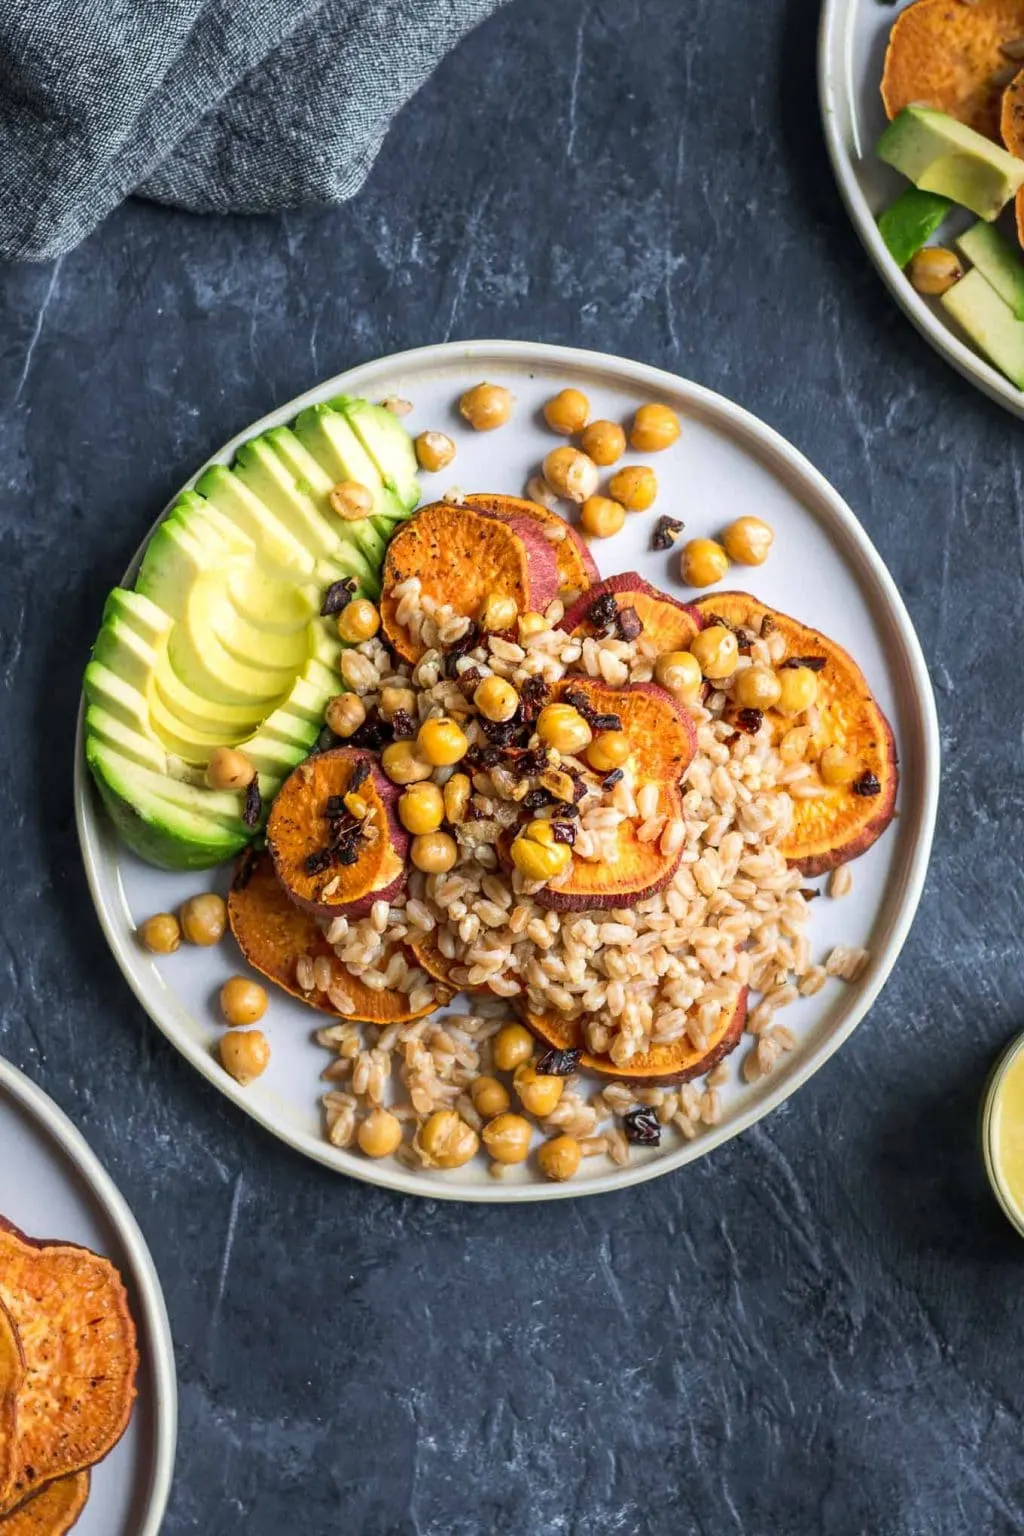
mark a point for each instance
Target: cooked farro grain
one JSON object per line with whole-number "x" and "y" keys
{"x": 840, "y": 881}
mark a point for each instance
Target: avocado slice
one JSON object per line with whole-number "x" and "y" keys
{"x": 997, "y": 261}
{"x": 910, "y": 222}
{"x": 328, "y": 439}
{"x": 388, "y": 444}
{"x": 276, "y": 542}
{"x": 939, "y": 154}
{"x": 989, "y": 322}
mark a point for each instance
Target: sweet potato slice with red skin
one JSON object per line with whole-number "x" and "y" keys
{"x": 12, "y": 1374}
{"x": 661, "y": 731}
{"x": 298, "y": 827}
{"x": 577, "y": 568}
{"x": 50, "y": 1512}
{"x": 462, "y": 557}
{"x": 78, "y": 1338}
{"x": 841, "y": 825}
{"x": 663, "y": 1064}
{"x": 670, "y": 624}
{"x": 949, "y": 55}
{"x": 273, "y": 935}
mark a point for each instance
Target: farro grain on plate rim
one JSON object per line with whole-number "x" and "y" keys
{"x": 752, "y": 452}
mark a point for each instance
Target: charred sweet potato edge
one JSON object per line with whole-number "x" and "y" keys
{"x": 52, "y": 1511}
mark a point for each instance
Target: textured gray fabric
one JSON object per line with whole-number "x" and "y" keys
{"x": 224, "y": 106}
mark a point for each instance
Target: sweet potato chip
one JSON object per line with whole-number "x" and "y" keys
{"x": 674, "y": 1063}
{"x": 948, "y": 54}
{"x": 1011, "y": 124}
{"x": 52, "y": 1511}
{"x": 577, "y": 569}
{"x": 78, "y": 1338}
{"x": 12, "y": 1374}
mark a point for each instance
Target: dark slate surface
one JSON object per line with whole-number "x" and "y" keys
{"x": 817, "y": 1329}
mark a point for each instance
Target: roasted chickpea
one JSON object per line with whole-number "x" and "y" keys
{"x": 507, "y": 1138}
{"x": 513, "y": 1044}
{"x": 702, "y": 562}
{"x": 434, "y": 451}
{"x": 496, "y": 699}
{"x": 604, "y": 442}
{"x": 489, "y": 1097}
{"x": 421, "y": 808}
{"x": 532, "y": 624}
{"x": 245, "y": 1053}
{"x": 559, "y": 1158}
{"x": 441, "y": 742}
{"x": 794, "y": 744}
{"x": 380, "y": 1133}
{"x": 838, "y": 769}
{"x": 538, "y": 1093}
{"x": 358, "y": 621}
{"x": 798, "y": 690}
{"x": 601, "y": 517}
{"x": 537, "y": 854}
{"x": 350, "y": 500}
{"x": 242, "y": 1001}
{"x": 608, "y": 750}
{"x": 538, "y": 490}
{"x": 571, "y": 474}
{"x": 486, "y": 406}
{"x": 445, "y": 1140}
{"x": 756, "y": 688}
{"x": 680, "y": 673}
{"x": 498, "y": 613}
{"x": 934, "y": 269}
{"x": 564, "y": 728}
{"x": 434, "y": 852}
{"x": 456, "y": 798}
{"x": 748, "y": 540}
{"x": 654, "y": 427}
{"x": 567, "y": 412}
{"x": 160, "y": 934}
{"x": 345, "y": 713}
{"x": 203, "y": 919}
{"x": 635, "y": 487}
{"x": 393, "y": 699}
{"x": 402, "y": 765}
{"x": 229, "y": 769}
{"x": 717, "y": 651}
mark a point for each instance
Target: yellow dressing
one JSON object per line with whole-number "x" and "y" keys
{"x": 1006, "y": 1137}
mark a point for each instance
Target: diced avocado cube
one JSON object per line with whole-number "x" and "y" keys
{"x": 939, "y": 154}
{"x": 989, "y": 322}
{"x": 997, "y": 261}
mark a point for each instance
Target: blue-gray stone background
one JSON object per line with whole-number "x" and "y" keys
{"x": 819, "y": 1328}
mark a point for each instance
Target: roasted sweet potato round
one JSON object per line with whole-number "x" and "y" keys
{"x": 12, "y": 1374}
{"x": 844, "y": 821}
{"x": 662, "y": 1064}
{"x": 949, "y": 55}
{"x": 667, "y": 623}
{"x": 274, "y": 935}
{"x": 661, "y": 731}
{"x": 1011, "y": 123}
{"x": 577, "y": 568}
{"x": 332, "y": 861}
{"x": 50, "y": 1512}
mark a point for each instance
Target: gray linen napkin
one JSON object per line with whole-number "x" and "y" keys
{"x": 216, "y": 106}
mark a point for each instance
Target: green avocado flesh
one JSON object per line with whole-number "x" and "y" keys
{"x": 939, "y": 154}
{"x": 997, "y": 261}
{"x": 989, "y": 322}
{"x": 911, "y": 221}
{"x": 221, "y": 642}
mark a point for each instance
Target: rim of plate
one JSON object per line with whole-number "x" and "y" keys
{"x": 837, "y": 96}
{"x": 782, "y": 456}
{"x": 154, "y": 1325}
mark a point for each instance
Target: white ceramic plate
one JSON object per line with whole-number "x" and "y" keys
{"x": 52, "y": 1186}
{"x": 823, "y": 569}
{"x": 852, "y": 44}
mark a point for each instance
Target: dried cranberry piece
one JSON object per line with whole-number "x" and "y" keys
{"x": 317, "y": 862}
{"x": 812, "y": 663}
{"x": 564, "y": 832}
{"x": 360, "y": 774}
{"x": 459, "y": 648}
{"x": 403, "y": 726}
{"x": 468, "y": 679}
{"x": 612, "y": 779}
{"x": 602, "y": 611}
{"x": 374, "y": 733}
{"x": 533, "y": 693}
{"x": 534, "y": 799}
{"x": 335, "y": 807}
{"x": 629, "y": 624}
{"x": 749, "y": 720}
{"x": 348, "y": 851}
{"x": 338, "y": 596}
{"x": 252, "y": 805}
{"x": 666, "y": 531}
{"x": 642, "y": 1128}
{"x": 866, "y": 785}
{"x": 555, "y": 1063}
{"x": 501, "y": 733}
{"x": 606, "y": 722}
{"x": 808, "y": 892}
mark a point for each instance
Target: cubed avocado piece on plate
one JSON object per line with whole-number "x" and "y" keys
{"x": 989, "y": 322}
{"x": 909, "y": 222}
{"x": 997, "y": 261}
{"x": 939, "y": 154}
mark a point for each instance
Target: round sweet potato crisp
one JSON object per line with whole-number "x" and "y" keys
{"x": 1011, "y": 124}
{"x": 50, "y": 1512}
{"x": 577, "y": 569}
{"x": 667, "y": 623}
{"x": 12, "y": 1374}
{"x": 674, "y": 1063}
{"x": 948, "y": 54}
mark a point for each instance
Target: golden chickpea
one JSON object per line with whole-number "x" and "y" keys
{"x": 567, "y": 412}
{"x": 794, "y": 744}
{"x": 445, "y": 1140}
{"x": 441, "y": 742}
{"x": 498, "y": 613}
{"x": 559, "y": 1159}
{"x": 434, "y": 451}
{"x": 345, "y": 713}
{"x": 489, "y": 1097}
{"x": 532, "y": 624}
{"x": 507, "y": 1138}
{"x": 350, "y": 500}
{"x": 756, "y": 688}
{"x": 680, "y": 673}
{"x": 654, "y": 427}
{"x": 564, "y": 728}
{"x": 204, "y": 918}
{"x": 245, "y": 1053}
{"x": 160, "y": 934}
{"x": 380, "y": 1133}
{"x": 798, "y": 690}
{"x": 513, "y": 1044}
{"x": 601, "y": 517}
{"x": 608, "y": 750}
{"x": 434, "y": 852}
{"x": 570, "y": 473}
{"x": 538, "y": 1093}
{"x": 402, "y": 765}
{"x": 702, "y": 562}
{"x": 717, "y": 651}
{"x": 635, "y": 487}
{"x": 748, "y": 540}
{"x": 496, "y": 699}
{"x": 358, "y": 621}
{"x": 393, "y": 699}
{"x": 456, "y": 798}
{"x": 604, "y": 442}
{"x": 421, "y": 808}
{"x": 537, "y": 855}
{"x": 242, "y": 1001}
{"x": 838, "y": 769}
{"x": 229, "y": 769}
{"x": 934, "y": 269}
{"x": 486, "y": 406}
